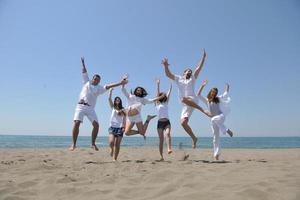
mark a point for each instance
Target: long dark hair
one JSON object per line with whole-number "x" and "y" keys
{"x": 144, "y": 92}
{"x": 118, "y": 106}
{"x": 164, "y": 99}
{"x": 215, "y": 99}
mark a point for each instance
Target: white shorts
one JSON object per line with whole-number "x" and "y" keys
{"x": 135, "y": 118}
{"x": 82, "y": 110}
{"x": 187, "y": 110}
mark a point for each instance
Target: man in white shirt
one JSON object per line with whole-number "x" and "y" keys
{"x": 87, "y": 102}
{"x": 186, "y": 91}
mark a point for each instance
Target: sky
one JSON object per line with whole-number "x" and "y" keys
{"x": 252, "y": 45}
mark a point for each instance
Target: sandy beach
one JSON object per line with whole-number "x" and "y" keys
{"x": 86, "y": 174}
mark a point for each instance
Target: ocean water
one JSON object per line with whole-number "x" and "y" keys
{"x": 18, "y": 141}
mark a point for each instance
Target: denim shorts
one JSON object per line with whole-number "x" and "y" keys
{"x": 117, "y": 132}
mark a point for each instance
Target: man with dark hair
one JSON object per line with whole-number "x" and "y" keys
{"x": 87, "y": 102}
{"x": 186, "y": 90}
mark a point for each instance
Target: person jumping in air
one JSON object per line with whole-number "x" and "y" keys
{"x": 87, "y": 102}
{"x": 186, "y": 90}
{"x": 163, "y": 123}
{"x": 219, "y": 108}
{"x": 117, "y": 125}
{"x": 134, "y": 117}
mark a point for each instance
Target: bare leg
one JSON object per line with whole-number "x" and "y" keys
{"x": 111, "y": 144}
{"x": 75, "y": 133}
{"x": 168, "y": 138}
{"x": 190, "y": 102}
{"x": 94, "y": 135}
{"x": 118, "y": 141}
{"x": 128, "y": 129}
{"x": 187, "y": 128}
{"x": 146, "y": 123}
{"x": 161, "y": 142}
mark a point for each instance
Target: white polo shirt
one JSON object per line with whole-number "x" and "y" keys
{"x": 90, "y": 92}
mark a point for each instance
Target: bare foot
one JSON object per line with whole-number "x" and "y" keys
{"x": 161, "y": 159}
{"x": 72, "y": 147}
{"x": 170, "y": 151}
{"x": 94, "y": 147}
{"x": 217, "y": 157}
{"x": 194, "y": 145}
{"x": 230, "y": 133}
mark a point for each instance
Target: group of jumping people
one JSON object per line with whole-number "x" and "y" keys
{"x": 123, "y": 119}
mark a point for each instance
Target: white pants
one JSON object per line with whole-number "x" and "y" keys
{"x": 187, "y": 111}
{"x": 217, "y": 126}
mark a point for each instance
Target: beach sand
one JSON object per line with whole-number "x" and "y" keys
{"x": 86, "y": 174}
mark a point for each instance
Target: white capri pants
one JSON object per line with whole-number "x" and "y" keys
{"x": 217, "y": 126}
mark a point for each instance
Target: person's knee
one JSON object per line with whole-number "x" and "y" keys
{"x": 184, "y": 122}
{"x": 184, "y": 99}
{"x": 96, "y": 125}
{"x": 168, "y": 135}
{"x": 77, "y": 123}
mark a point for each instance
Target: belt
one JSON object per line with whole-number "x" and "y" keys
{"x": 83, "y": 103}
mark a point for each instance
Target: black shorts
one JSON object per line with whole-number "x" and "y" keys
{"x": 163, "y": 124}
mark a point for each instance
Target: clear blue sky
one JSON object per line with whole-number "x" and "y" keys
{"x": 253, "y": 45}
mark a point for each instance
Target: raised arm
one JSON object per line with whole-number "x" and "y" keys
{"x": 148, "y": 101}
{"x": 110, "y": 98}
{"x": 168, "y": 73}
{"x": 200, "y": 65}
{"x": 85, "y": 76}
{"x": 124, "y": 91}
{"x": 202, "y": 98}
{"x": 226, "y": 88}
{"x": 122, "y": 82}
{"x": 157, "y": 87}
{"x": 169, "y": 93}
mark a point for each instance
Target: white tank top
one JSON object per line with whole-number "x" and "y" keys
{"x": 116, "y": 120}
{"x": 163, "y": 110}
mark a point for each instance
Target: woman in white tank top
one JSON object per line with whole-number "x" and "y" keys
{"x": 117, "y": 125}
{"x": 163, "y": 123}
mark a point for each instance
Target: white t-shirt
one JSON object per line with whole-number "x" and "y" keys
{"x": 134, "y": 101}
{"x": 89, "y": 92}
{"x": 186, "y": 87}
{"x": 163, "y": 110}
{"x": 116, "y": 120}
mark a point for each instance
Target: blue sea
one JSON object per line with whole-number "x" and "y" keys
{"x": 18, "y": 141}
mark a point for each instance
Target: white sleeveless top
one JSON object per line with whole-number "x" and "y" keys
{"x": 163, "y": 110}
{"x": 116, "y": 120}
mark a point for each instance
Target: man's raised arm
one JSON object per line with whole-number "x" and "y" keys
{"x": 200, "y": 65}
{"x": 84, "y": 71}
{"x": 168, "y": 73}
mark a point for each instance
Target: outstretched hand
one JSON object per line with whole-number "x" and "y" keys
{"x": 204, "y": 82}
{"x": 158, "y": 81}
{"x": 165, "y": 62}
{"x": 125, "y": 79}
